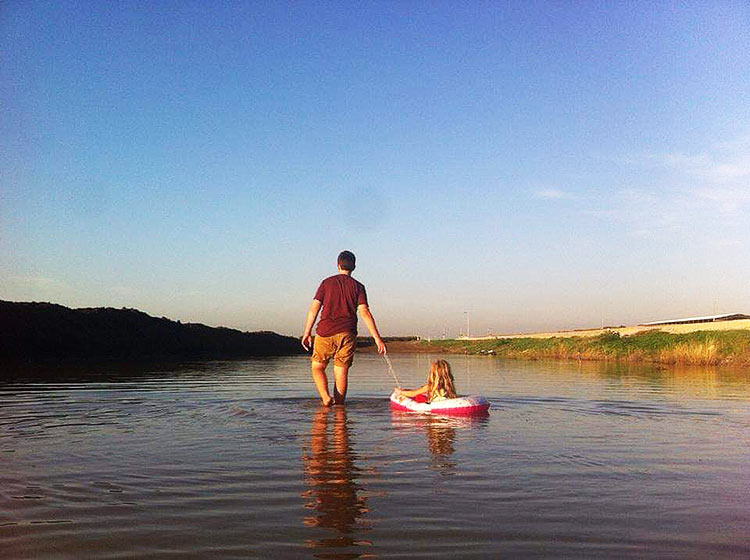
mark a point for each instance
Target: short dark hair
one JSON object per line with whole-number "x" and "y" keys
{"x": 347, "y": 260}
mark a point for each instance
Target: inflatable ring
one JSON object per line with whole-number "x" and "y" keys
{"x": 460, "y": 406}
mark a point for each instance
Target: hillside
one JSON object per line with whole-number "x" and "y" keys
{"x": 46, "y": 331}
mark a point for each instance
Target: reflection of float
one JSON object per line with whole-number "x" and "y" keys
{"x": 460, "y": 406}
{"x": 442, "y": 432}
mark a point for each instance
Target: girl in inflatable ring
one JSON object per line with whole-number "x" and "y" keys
{"x": 440, "y": 384}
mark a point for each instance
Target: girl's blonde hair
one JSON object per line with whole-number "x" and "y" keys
{"x": 440, "y": 382}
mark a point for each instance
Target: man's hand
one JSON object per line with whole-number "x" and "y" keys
{"x": 312, "y": 314}
{"x": 381, "y": 346}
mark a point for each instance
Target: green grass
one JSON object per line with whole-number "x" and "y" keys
{"x": 699, "y": 348}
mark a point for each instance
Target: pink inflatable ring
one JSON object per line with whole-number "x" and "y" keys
{"x": 460, "y": 406}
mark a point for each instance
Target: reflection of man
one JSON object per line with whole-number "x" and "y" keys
{"x": 329, "y": 473}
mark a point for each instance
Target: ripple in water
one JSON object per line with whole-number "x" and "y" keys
{"x": 237, "y": 459}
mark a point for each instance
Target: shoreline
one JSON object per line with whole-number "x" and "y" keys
{"x": 721, "y": 343}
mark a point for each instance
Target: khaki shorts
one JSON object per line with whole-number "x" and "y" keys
{"x": 339, "y": 346}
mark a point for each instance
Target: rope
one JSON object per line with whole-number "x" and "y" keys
{"x": 390, "y": 369}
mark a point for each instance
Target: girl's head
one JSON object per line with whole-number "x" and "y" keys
{"x": 440, "y": 382}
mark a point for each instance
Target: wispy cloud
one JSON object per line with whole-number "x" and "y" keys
{"x": 722, "y": 163}
{"x": 551, "y": 194}
{"x": 727, "y": 200}
{"x": 706, "y": 191}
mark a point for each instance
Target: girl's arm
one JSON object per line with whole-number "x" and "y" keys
{"x": 413, "y": 392}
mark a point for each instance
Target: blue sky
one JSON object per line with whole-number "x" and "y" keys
{"x": 537, "y": 165}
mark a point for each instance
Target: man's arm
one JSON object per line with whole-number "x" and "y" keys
{"x": 312, "y": 314}
{"x": 369, "y": 321}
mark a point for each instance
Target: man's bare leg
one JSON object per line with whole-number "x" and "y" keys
{"x": 321, "y": 382}
{"x": 341, "y": 375}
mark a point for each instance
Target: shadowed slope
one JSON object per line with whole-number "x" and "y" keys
{"x": 32, "y": 331}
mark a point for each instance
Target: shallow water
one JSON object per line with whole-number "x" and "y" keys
{"x": 238, "y": 460}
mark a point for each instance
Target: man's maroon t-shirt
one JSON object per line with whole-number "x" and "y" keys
{"x": 340, "y": 295}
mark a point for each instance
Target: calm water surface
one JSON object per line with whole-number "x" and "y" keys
{"x": 238, "y": 460}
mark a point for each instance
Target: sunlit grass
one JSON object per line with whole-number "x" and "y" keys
{"x": 696, "y": 348}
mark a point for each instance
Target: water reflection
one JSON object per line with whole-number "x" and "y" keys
{"x": 574, "y": 461}
{"x": 441, "y": 439}
{"x": 333, "y": 493}
{"x": 440, "y": 433}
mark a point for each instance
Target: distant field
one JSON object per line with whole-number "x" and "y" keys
{"x": 627, "y": 331}
{"x": 702, "y": 347}
{"x": 719, "y": 343}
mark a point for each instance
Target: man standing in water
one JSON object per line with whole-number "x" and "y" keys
{"x": 341, "y": 297}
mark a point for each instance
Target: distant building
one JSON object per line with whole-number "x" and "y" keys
{"x": 707, "y": 319}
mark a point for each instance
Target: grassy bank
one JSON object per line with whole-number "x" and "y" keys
{"x": 698, "y": 348}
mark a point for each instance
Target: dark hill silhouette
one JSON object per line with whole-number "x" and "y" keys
{"x": 47, "y": 331}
